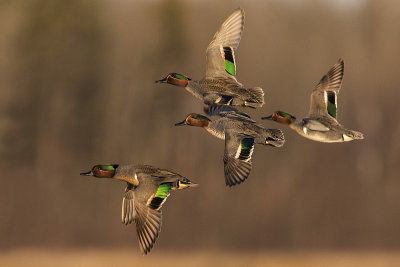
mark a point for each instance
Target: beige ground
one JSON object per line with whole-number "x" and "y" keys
{"x": 126, "y": 257}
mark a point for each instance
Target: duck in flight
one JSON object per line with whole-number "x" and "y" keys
{"x": 220, "y": 86}
{"x": 321, "y": 124}
{"x": 241, "y": 133}
{"x": 146, "y": 190}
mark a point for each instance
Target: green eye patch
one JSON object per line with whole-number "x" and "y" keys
{"x": 180, "y": 76}
{"x": 200, "y": 117}
{"x": 107, "y": 167}
{"x": 283, "y": 114}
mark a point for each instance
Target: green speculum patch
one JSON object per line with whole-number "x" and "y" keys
{"x": 230, "y": 67}
{"x": 229, "y": 61}
{"x": 247, "y": 143}
{"x": 332, "y": 109}
{"x": 163, "y": 189}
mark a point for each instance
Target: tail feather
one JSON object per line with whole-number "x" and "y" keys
{"x": 274, "y": 137}
{"x": 256, "y": 99}
{"x": 184, "y": 183}
{"x": 357, "y": 135}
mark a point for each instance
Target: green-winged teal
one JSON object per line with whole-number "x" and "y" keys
{"x": 321, "y": 124}
{"x": 219, "y": 84}
{"x": 146, "y": 191}
{"x": 240, "y": 134}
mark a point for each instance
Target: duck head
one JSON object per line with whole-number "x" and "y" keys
{"x": 102, "y": 171}
{"x": 194, "y": 119}
{"x": 281, "y": 117}
{"x": 175, "y": 79}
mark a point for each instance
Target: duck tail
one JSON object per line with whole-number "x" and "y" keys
{"x": 274, "y": 137}
{"x": 184, "y": 183}
{"x": 357, "y": 135}
{"x": 256, "y": 98}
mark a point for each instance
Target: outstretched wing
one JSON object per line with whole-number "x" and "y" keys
{"x": 148, "y": 226}
{"x": 149, "y": 198}
{"x": 128, "y": 210}
{"x": 220, "y": 54}
{"x": 324, "y": 96}
{"x": 237, "y": 157}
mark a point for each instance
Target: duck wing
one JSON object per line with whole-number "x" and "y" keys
{"x": 220, "y": 54}
{"x": 148, "y": 225}
{"x": 324, "y": 96}
{"x": 128, "y": 203}
{"x": 237, "y": 157}
{"x": 148, "y": 199}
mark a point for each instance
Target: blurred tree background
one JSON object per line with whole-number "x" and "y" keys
{"x": 77, "y": 89}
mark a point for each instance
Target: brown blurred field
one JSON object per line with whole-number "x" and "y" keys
{"x": 77, "y": 88}
{"x": 125, "y": 257}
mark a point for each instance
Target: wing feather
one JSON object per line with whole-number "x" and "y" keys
{"x": 220, "y": 54}
{"x": 148, "y": 226}
{"x": 128, "y": 211}
{"x": 324, "y": 97}
{"x": 237, "y": 157}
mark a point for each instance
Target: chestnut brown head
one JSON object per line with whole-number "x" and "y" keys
{"x": 175, "y": 79}
{"x": 281, "y": 117}
{"x": 194, "y": 119}
{"x": 102, "y": 171}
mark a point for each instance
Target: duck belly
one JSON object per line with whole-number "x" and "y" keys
{"x": 325, "y": 137}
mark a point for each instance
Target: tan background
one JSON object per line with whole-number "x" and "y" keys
{"x": 77, "y": 88}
